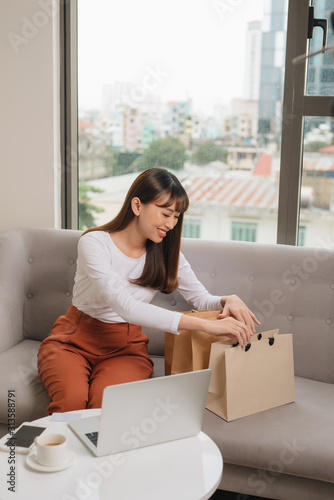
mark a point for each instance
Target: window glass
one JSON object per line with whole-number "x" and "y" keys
{"x": 195, "y": 87}
{"x": 320, "y": 77}
{"x": 316, "y": 225}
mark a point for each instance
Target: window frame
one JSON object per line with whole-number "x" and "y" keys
{"x": 296, "y": 105}
{"x": 68, "y": 90}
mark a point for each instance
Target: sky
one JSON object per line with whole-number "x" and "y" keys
{"x": 177, "y": 48}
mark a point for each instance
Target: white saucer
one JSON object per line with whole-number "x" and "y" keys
{"x": 32, "y": 462}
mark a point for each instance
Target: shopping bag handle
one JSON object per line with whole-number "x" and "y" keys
{"x": 271, "y": 339}
{"x": 249, "y": 345}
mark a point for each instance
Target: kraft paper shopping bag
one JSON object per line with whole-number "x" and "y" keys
{"x": 190, "y": 350}
{"x": 247, "y": 380}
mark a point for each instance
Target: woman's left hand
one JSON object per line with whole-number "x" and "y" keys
{"x": 234, "y": 306}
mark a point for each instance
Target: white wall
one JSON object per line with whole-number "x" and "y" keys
{"x": 28, "y": 114}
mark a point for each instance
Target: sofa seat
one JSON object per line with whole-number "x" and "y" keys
{"x": 18, "y": 366}
{"x": 285, "y": 439}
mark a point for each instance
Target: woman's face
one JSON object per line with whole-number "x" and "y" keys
{"x": 154, "y": 220}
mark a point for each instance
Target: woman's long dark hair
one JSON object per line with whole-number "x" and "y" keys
{"x": 162, "y": 259}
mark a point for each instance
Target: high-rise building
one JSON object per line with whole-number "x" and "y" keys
{"x": 244, "y": 120}
{"x": 251, "y": 88}
{"x": 273, "y": 47}
{"x": 178, "y": 117}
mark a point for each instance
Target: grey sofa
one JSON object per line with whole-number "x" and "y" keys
{"x": 284, "y": 453}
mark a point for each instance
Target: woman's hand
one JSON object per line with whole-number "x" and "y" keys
{"x": 229, "y": 327}
{"x": 236, "y": 321}
{"x": 235, "y": 307}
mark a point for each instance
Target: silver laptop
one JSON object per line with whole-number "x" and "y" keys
{"x": 146, "y": 412}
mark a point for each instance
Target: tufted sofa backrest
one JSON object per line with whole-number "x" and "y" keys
{"x": 290, "y": 288}
{"x": 37, "y": 268}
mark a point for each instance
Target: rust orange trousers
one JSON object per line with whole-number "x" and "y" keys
{"x": 83, "y": 355}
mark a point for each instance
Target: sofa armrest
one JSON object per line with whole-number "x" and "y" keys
{"x": 12, "y": 294}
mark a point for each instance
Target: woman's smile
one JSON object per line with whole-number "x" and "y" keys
{"x": 162, "y": 233}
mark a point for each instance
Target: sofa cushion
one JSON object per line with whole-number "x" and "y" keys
{"x": 159, "y": 366}
{"x": 293, "y": 439}
{"x": 260, "y": 483}
{"x": 50, "y": 265}
{"x": 18, "y": 367}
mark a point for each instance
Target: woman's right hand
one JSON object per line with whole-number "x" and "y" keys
{"x": 230, "y": 327}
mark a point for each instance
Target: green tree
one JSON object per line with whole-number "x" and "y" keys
{"x": 209, "y": 152}
{"x": 125, "y": 162}
{"x": 86, "y": 209}
{"x": 169, "y": 153}
{"x": 314, "y": 146}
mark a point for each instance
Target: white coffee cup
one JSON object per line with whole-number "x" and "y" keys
{"x": 51, "y": 449}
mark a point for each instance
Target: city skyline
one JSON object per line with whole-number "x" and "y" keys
{"x": 192, "y": 60}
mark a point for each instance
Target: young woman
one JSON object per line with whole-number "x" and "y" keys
{"x": 120, "y": 267}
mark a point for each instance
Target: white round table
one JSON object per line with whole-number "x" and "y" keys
{"x": 185, "y": 469}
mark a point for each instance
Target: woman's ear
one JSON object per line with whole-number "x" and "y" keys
{"x": 135, "y": 205}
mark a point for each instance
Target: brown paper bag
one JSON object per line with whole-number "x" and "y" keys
{"x": 247, "y": 381}
{"x": 190, "y": 350}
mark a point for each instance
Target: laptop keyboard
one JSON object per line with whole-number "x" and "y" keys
{"x": 92, "y": 436}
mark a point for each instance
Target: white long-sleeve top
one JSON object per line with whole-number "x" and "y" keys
{"x": 102, "y": 288}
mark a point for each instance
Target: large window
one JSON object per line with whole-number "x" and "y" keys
{"x": 178, "y": 85}
{"x": 197, "y": 87}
